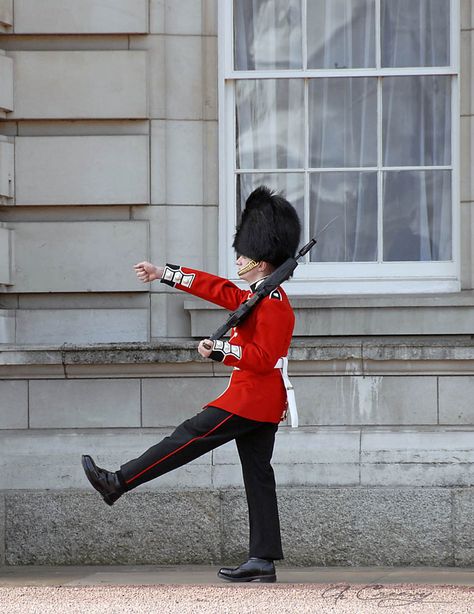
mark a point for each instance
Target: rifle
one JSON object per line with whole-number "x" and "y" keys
{"x": 275, "y": 279}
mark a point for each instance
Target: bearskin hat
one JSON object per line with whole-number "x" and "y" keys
{"x": 269, "y": 228}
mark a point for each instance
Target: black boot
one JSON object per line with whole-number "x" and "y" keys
{"x": 254, "y": 570}
{"x": 105, "y": 482}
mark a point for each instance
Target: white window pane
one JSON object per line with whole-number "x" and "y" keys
{"x": 270, "y": 123}
{"x": 291, "y": 185}
{"x": 417, "y": 121}
{"x": 267, "y": 34}
{"x": 342, "y": 122}
{"x": 417, "y": 215}
{"x": 415, "y": 33}
{"x": 341, "y": 33}
{"x": 353, "y": 197}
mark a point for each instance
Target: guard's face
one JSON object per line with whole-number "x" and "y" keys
{"x": 242, "y": 261}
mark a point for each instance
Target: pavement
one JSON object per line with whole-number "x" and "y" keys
{"x": 196, "y": 589}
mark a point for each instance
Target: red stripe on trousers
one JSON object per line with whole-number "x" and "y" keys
{"x": 177, "y": 450}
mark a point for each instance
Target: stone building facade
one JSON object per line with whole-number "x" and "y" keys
{"x": 109, "y": 123}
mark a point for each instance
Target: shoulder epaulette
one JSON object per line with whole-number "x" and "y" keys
{"x": 276, "y": 294}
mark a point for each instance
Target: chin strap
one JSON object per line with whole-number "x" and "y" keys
{"x": 248, "y": 267}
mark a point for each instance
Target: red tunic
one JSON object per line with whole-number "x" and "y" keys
{"x": 255, "y": 390}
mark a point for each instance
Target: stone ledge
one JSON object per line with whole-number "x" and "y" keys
{"x": 422, "y": 355}
{"x": 425, "y": 314}
{"x": 454, "y": 299}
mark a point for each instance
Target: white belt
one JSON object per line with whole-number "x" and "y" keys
{"x": 282, "y": 364}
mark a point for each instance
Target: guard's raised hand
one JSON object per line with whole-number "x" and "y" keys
{"x": 146, "y": 271}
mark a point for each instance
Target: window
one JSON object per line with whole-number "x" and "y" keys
{"x": 351, "y": 108}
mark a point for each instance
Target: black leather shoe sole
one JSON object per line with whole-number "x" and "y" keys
{"x": 90, "y": 470}
{"x": 265, "y": 578}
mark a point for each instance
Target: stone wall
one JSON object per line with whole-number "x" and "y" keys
{"x": 110, "y": 135}
{"x": 320, "y": 526}
{"x": 381, "y": 470}
{"x": 108, "y": 155}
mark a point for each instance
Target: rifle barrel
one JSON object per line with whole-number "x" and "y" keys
{"x": 305, "y": 249}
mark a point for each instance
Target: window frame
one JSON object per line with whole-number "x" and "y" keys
{"x": 342, "y": 277}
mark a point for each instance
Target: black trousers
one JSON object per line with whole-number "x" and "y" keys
{"x": 205, "y": 431}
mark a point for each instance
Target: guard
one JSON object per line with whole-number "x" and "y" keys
{"x": 255, "y": 400}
